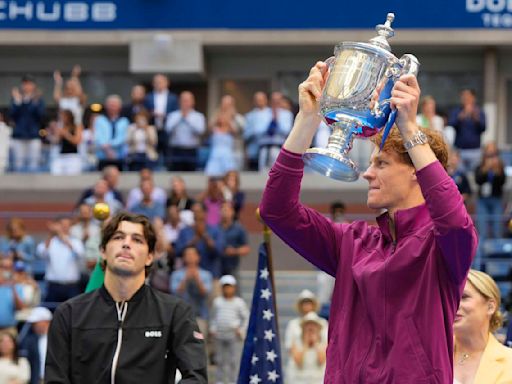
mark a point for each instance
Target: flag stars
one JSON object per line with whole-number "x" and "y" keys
{"x": 267, "y": 314}
{"x": 272, "y": 376}
{"x": 269, "y": 335}
{"x": 254, "y": 359}
{"x": 264, "y": 274}
{"x": 265, "y": 294}
{"x": 254, "y": 379}
{"x": 271, "y": 356}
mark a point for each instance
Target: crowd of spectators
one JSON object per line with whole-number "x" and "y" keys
{"x": 199, "y": 240}
{"x": 154, "y": 129}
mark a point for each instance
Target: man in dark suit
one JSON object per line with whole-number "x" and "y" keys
{"x": 160, "y": 103}
{"x": 36, "y": 341}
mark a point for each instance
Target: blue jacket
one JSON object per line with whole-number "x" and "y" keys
{"x": 28, "y": 118}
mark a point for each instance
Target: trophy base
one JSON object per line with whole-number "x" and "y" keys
{"x": 331, "y": 164}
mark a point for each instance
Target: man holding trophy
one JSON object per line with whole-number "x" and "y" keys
{"x": 398, "y": 284}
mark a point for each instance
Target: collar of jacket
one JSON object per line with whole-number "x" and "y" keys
{"x": 406, "y": 221}
{"x": 493, "y": 363}
{"x": 136, "y": 297}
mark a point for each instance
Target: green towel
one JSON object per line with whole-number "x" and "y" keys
{"x": 96, "y": 279}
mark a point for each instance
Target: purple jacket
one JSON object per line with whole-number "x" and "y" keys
{"x": 393, "y": 304}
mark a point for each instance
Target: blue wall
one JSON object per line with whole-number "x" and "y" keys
{"x": 252, "y": 14}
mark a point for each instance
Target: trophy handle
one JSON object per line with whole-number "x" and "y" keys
{"x": 410, "y": 65}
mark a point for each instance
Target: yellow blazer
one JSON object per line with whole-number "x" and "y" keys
{"x": 495, "y": 364}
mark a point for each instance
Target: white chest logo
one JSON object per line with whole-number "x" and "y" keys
{"x": 153, "y": 334}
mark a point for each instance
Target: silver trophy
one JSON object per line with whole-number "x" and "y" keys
{"x": 355, "y": 101}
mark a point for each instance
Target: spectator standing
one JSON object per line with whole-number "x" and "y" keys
{"x": 148, "y": 206}
{"x": 222, "y": 157}
{"x": 27, "y": 288}
{"x": 308, "y": 356}
{"x": 69, "y": 135}
{"x": 36, "y": 342}
{"x": 458, "y": 175}
{"x": 64, "y": 255}
{"x": 306, "y": 303}
{"x": 232, "y": 193}
{"x": 88, "y": 231}
{"x": 86, "y": 147}
{"x": 236, "y": 241}
{"x": 428, "y": 118}
{"x": 135, "y": 195}
{"x": 27, "y": 111}
{"x": 5, "y": 144}
{"x": 468, "y": 120}
{"x": 111, "y": 177}
{"x": 193, "y": 284}
{"x": 228, "y": 326}
{"x": 490, "y": 177}
{"x": 137, "y": 103}
{"x": 72, "y": 97}
{"x": 160, "y": 102}
{"x": 142, "y": 143}
{"x": 13, "y": 368}
{"x": 101, "y": 195}
{"x": 110, "y": 134}
{"x": 228, "y": 109}
{"x": 257, "y": 121}
{"x": 178, "y": 196}
{"x": 10, "y": 296}
{"x": 279, "y": 124}
{"x": 185, "y": 128}
{"x": 17, "y": 243}
{"x": 212, "y": 200}
{"x": 206, "y": 238}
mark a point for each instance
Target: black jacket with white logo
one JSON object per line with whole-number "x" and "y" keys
{"x": 91, "y": 340}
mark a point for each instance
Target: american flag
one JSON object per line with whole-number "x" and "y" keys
{"x": 261, "y": 358}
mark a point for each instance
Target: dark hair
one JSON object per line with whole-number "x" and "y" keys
{"x": 15, "y": 352}
{"x": 337, "y": 205}
{"x": 112, "y": 226}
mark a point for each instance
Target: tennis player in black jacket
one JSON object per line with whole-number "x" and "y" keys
{"x": 125, "y": 332}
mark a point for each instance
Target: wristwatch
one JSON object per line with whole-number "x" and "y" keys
{"x": 418, "y": 138}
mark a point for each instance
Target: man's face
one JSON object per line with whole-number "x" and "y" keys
{"x": 390, "y": 181}
{"x": 127, "y": 252}
{"x": 138, "y": 93}
{"x": 466, "y": 97}
{"x": 260, "y": 100}
{"x": 160, "y": 83}
{"x": 113, "y": 107}
{"x": 28, "y": 87}
{"x": 186, "y": 101}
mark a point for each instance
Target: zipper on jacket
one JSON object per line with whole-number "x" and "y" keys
{"x": 121, "y": 314}
{"x": 362, "y": 370}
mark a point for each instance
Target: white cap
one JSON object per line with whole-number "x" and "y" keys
{"x": 311, "y": 317}
{"x": 227, "y": 280}
{"x": 306, "y": 294}
{"x": 39, "y": 314}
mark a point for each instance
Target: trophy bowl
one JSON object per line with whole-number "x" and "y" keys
{"x": 355, "y": 102}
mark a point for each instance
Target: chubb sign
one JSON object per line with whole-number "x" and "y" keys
{"x": 58, "y": 11}
{"x": 495, "y": 13}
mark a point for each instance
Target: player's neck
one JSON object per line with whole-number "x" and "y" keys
{"x": 122, "y": 288}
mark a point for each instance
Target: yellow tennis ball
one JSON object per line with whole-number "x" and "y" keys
{"x": 101, "y": 211}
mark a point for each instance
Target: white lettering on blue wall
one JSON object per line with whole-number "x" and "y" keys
{"x": 58, "y": 11}
{"x": 493, "y": 6}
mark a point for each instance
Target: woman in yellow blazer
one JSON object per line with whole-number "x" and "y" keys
{"x": 478, "y": 357}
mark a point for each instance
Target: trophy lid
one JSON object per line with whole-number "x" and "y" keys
{"x": 384, "y": 32}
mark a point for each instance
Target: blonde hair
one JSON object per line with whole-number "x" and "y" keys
{"x": 486, "y": 286}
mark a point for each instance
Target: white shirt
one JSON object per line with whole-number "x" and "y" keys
{"x": 63, "y": 264}
{"x": 135, "y": 196}
{"x": 161, "y": 102}
{"x": 186, "y": 131}
{"x": 42, "y": 344}
{"x": 10, "y": 372}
